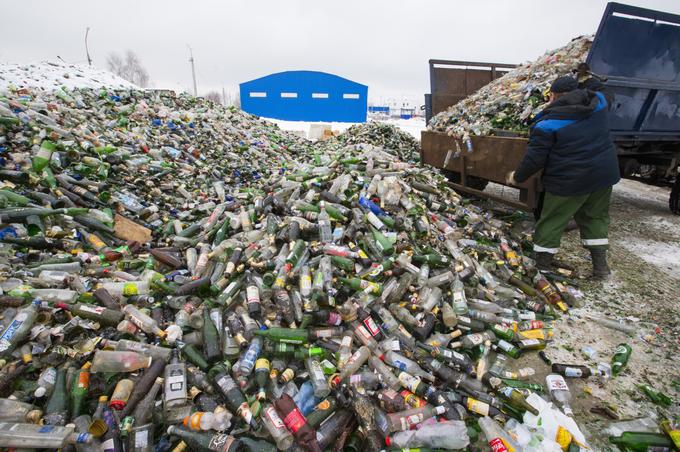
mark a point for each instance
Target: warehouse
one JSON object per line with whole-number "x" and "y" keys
{"x": 305, "y": 96}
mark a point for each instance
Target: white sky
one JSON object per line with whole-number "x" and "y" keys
{"x": 384, "y": 44}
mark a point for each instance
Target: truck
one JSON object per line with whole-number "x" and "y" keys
{"x": 635, "y": 53}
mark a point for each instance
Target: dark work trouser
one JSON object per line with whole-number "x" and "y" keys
{"x": 590, "y": 211}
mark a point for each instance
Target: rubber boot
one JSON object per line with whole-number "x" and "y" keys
{"x": 600, "y": 267}
{"x": 544, "y": 261}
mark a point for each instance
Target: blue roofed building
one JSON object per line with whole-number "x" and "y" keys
{"x": 305, "y": 96}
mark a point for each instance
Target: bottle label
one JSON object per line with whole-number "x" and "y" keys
{"x": 92, "y": 309}
{"x": 108, "y": 445}
{"x": 252, "y": 294}
{"x": 556, "y": 383}
{"x": 325, "y": 404}
{"x": 220, "y": 442}
{"x": 130, "y": 289}
{"x": 476, "y": 339}
{"x": 573, "y": 372}
{"x": 84, "y": 380}
{"x": 141, "y": 438}
{"x": 498, "y": 445}
{"x": 245, "y": 413}
{"x": 409, "y": 381}
{"x": 363, "y": 332}
{"x": 334, "y": 319}
{"x": 175, "y": 384}
{"x": 294, "y": 420}
{"x": 226, "y": 384}
{"x": 410, "y": 421}
{"x": 505, "y": 346}
{"x": 274, "y": 417}
{"x": 529, "y": 342}
{"x": 11, "y": 330}
{"x": 477, "y": 406}
{"x": 371, "y": 326}
{"x": 324, "y": 333}
{"x": 563, "y": 437}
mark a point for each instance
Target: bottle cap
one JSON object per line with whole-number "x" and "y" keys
{"x": 388, "y": 441}
{"x": 334, "y": 381}
{"x": 97, "y": 428}
{"x": 117, "y": 404}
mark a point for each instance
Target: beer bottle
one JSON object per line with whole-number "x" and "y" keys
{"x": 296, "y": 423}
{"x": 79, "y": 390}
{"x": 620, "y": 358}
{"x": 232, "y": 395}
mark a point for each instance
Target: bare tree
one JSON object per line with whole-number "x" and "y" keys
{"x": 214, "y": 96}
{"x": 130, "y": 68}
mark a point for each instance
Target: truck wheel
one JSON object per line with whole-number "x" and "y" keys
{"x": 475, "y": 183}
{"x": 674, "y": 200}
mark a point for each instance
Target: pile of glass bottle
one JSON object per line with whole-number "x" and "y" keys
{"x": 290, "y": 295}
{"x": 511, "y": 101}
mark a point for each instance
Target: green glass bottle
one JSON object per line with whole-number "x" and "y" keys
{"x": 42, "y": 158}
{"x": 211, "y": 338}
{"x": 80, "y": 389}
{"x": 620, "y": 358}
{"x": 433, "y": 260}
{"x": 382, "y": 242}
{"x": 362, "y": 284}
{"x": 287, "y": 335}
{"x": 641, "y": 441}
{"x": 192, "y": 355}
{"x": 56, "y": 409}
{"x": 517, "y": 399}
{"x": 344, "y": 263}
{"x": 508, "y": 349}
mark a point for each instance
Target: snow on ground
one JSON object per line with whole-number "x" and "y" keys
{"x": 666, "y": 256}
{"x": 412, "y": 126}
{"x": 49, "y": 75}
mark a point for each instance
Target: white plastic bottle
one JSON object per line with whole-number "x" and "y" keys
{"x": 441, "y": 435}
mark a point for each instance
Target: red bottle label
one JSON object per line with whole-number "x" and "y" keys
{"x": 497, "y": 445}
{"x": 294, "y": 420}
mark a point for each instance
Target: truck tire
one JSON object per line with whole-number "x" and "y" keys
{"x": 674, "y": 199}
{"x": 475, "y": 183}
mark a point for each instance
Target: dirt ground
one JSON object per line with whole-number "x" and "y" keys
{"x": 643, "y": 292}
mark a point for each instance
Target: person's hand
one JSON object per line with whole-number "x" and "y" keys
{"x": 510, "y": 178}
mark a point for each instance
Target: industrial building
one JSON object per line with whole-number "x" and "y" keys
{"x": 305, "y": 96}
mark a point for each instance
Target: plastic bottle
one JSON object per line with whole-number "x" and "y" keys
{"x": 37, "y": 436}
{"x": 440, "y": 435}
{"x": 113, "y": 361}
{"x": 405, "y": 420}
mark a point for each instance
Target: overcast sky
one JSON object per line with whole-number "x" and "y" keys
{"x": 384, "y": 44}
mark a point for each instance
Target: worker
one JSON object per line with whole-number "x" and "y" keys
{"x": 570, "y": 142}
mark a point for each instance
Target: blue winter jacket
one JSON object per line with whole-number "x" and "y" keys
{"x": 570, "y": 142}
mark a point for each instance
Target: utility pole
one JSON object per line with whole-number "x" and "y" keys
{"x": 193, "y": 71}
{"x": 224, "y": 97}
{"x": 87, "y": 52}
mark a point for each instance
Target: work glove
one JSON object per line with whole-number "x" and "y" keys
{"x": 510, "y": 178}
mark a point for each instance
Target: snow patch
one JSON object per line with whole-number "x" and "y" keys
{"x": 50, "y": 76}
{"x": 666, "y": 256}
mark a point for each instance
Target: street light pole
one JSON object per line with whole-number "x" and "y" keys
{"x": 193, "y": 71}
{"x": 87, "y": 52}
